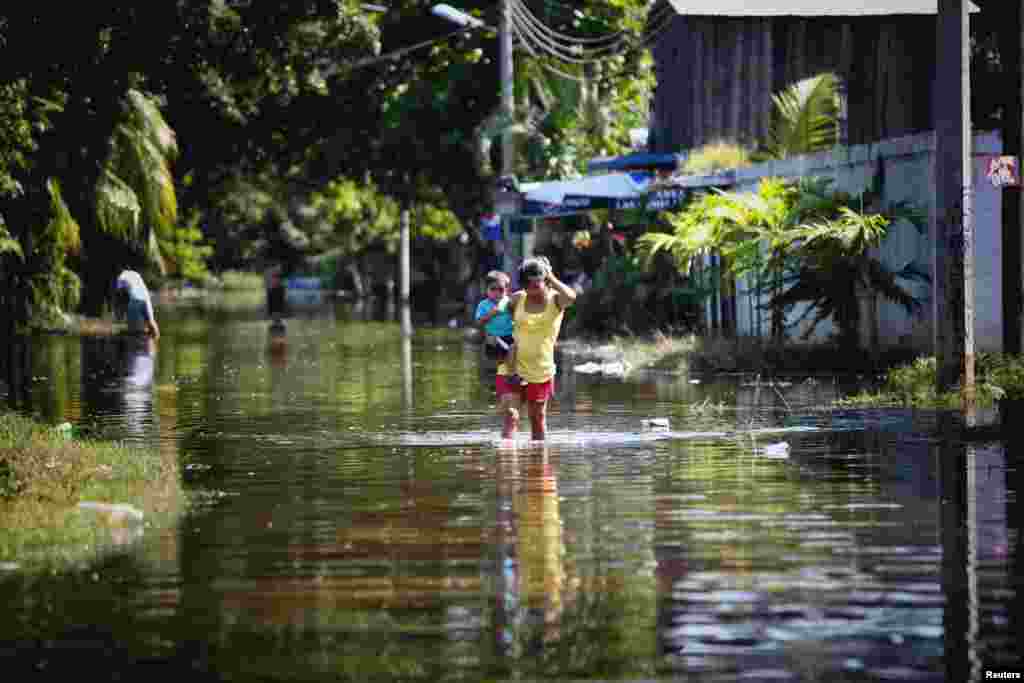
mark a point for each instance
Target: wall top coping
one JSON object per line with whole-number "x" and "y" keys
{"x": 986, "y": 143}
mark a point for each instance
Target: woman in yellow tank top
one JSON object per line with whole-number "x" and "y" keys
{"x": 537, "y": 312}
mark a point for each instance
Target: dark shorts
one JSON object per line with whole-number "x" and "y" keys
{"x": 275, "y": 301}
{"x": 494, "y": 351}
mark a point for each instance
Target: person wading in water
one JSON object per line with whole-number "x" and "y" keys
{"x": 537, "y": 312}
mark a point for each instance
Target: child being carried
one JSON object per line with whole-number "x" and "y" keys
{"x": 493, "y": 315}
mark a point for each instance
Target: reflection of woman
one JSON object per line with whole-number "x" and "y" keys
{"x": 541, "y": 551}
{"x": 138, "y": 360}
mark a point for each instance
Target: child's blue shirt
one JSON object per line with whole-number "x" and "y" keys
{"x": 500, "y": 325}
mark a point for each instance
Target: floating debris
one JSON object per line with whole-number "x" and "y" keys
{"x": 778, "y": 451}
{"x": 613, "y": 368}
{"x": 118, "y": 512}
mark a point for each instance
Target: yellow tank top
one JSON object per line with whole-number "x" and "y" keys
{"x": 535, "y": 335}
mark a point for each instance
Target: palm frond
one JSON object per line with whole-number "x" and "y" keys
{"x": 9, "y": 245}
{"x": 804, "y": 117}
{"x": 62, "y": 226}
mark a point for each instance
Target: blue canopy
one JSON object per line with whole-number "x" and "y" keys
{"x": 637, "y": 161}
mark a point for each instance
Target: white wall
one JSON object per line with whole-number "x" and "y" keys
{"x": 908, "y": 167}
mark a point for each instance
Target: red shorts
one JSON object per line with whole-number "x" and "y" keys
{"x": 527, "y": 392}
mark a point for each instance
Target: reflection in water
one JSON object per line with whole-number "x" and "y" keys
{"x": 356, "y": 520}
{"x": 117, "y": 385}
{"x": 534, "y": 573}
{"x": 16, "y": 373}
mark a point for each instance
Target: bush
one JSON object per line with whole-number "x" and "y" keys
{"x": 997, "y": 376}
{"x": 624, "y": 299}
{"x": 239, "y": 280}
{"x": 716, "y": 157}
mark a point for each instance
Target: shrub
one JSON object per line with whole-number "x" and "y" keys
{"x": 715, "y": 157}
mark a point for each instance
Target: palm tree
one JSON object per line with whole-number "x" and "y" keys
{"x": 835, "y": 265}
{"x": 811, "y": 241}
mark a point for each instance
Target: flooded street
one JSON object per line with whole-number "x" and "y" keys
{"x": 357, "y": 518}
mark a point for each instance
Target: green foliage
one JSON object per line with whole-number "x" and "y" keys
{"x": 436, "y": 223}
{"x": 811, "y": 242}
{"x": 625, "y": 299}
{"x": 233, "y": 280}
{"x": 804, "y": 118}
{"x": 54, "y": 287}
{"x": 9, "y": 245}
{"x": 715, "y": 157}
{"x": 16, "y": 138}
{"x": 184, "y": 251}
{"x": 135, "y": 195}
{"x": 1002, "y": 375}
{"x": 997, "y": 376}
{"x": 358, "y": 214}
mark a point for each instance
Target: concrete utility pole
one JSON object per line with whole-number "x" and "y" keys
{"x": 506, "y": 74}
{"x": 953, "y": 282}
{"x": 1010, "y": 46}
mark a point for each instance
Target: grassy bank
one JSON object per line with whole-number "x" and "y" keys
{"x": 64, "y": 499}
{"x": 690, "y": 354}
{"x": 997, "y": 377}
{"x": 903, "y": 380}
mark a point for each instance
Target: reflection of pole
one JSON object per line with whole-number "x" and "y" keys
{"x": 952, "y": 465}
{"x": 406, "y": 365}
{"x": 403, "y": 270}
{"x": 1015, "y": 534}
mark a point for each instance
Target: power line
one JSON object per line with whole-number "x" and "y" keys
{"x": 540, "y": 37}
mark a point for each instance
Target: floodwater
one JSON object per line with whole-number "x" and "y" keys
{"x": 356, "y": 518}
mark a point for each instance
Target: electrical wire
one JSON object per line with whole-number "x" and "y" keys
{"x": 575, "y": 39}
{"x": 540, "y": 60}
{"x": 541, "y": 37}
{"x": 660, "y": 15}
{"x": 574, "y": 51}
{"x": 530, "y": 35}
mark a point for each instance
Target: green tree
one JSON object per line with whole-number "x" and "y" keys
{"x": 812, "y": 243}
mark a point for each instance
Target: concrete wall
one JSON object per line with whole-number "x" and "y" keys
{"x": 908, "y": 169}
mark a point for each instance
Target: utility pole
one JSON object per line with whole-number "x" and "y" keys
{"x": 506, "y": 74}
{"x": 1010, "y": 46}
{"x": 953, "y": 282}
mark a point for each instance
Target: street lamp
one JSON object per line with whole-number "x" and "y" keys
{"x": 455, "y": 16}
{"x": 505, "y": 67}
{"x": 505, "y": 74}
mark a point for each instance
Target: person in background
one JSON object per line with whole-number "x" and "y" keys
{"x": 133, "y": 305}
{"x": 537, "y": 312}
{"x": 274, "y": 282}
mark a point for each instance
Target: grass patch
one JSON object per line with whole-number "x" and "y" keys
{"x": 45, "y": 473}
{"x": 234, "y": 280}
{"x": 997, "y": 377}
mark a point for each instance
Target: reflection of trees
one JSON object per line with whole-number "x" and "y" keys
{"x": 358, "y": 590}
